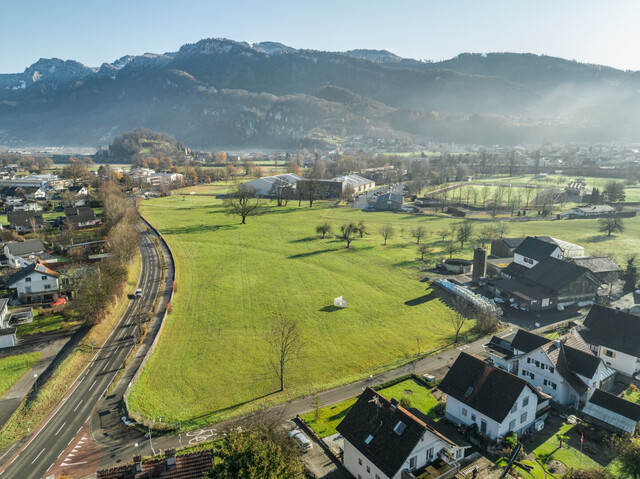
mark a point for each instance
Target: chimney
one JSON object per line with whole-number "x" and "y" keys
{"x": 394, "y": 404}
{"x": 557, "y": 343}
{"x": 137, "y": 462}
{"x": 170, "y": 457}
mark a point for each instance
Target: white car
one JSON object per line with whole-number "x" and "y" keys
{"x": 301, "y": 440}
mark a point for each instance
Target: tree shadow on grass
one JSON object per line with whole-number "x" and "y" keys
{"x": 422, "y": 299}
{"x": 197, "y": 229}
{"x": 305, "y": 239}
{"x": 311, "y": 253}
{"x": 406, "y": 262}
{"x": 600, "y": 238}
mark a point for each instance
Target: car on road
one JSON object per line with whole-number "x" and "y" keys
{"x": 139, "y": 293}
{"x": 301, "y": 440}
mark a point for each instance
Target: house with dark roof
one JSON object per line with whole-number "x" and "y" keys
{"x": 21, "y": 253}
{"x": 382, "y": 439}
{"x": 25, "y": 220}
{"x": 35, "y": 282}
{"x": 613, "y": 336}
{"x": 81, "y": 216}
{"x": 194, "y": 465}
{"x": 549, "y": 283}
{"x": 534, "y": 250}
{"x": 491, "y": 400}
{"x": 591, "y": 211}
{"x": 389, "y": 202}
{"x": 612, "y": 412}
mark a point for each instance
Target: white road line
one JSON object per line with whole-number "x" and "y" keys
{"x": 37, "y": 456}
{"x": 60, "y": 428}
{"x": 94, "y": 383}
{"x": 8, "y": 451}
{"x": 74, "y": 409}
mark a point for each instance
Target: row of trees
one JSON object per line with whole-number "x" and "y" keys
{"x": 99, "y": 289}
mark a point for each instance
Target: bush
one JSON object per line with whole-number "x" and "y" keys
{"x": 487, "y": 322}
{"x": 405, "y": 402}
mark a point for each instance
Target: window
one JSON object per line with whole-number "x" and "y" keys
{"x": 359, "y": 461}
{"x": 44, "y": 278}
{"x": 368, "y": 439}
{"x": 551, "y": 369}
{"x": 525, "y": 402}
{"x": 473, "y": 417}
{"x": 47, "y": 286}
{"x": 483, "y": 426}
{"x": 515, "y": 407}
{"x": 523, "y": 417}
{"x": 464, "y": 412}
{"x": 368, "y": 469}
{"x": 412, "y": 462}
{"x": 529, "y": 360}
{"x": 537, "y": 363}
{"x": 27, "y": 280}
{"x": 512, "y": 425}
{"x": 458, "y": 453}
{"x": 430, "y": 454}
{"x": 609, "y": 353}
{"x": 27, "y": 289}
{"x": 377, "y": 476}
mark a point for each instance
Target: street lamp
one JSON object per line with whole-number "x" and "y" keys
{"x": 36, "y": 378}
{"x": 137, "y": 452}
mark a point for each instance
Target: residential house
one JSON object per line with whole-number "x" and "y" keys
{"x": 389, "y": 202}
{"x": 7, "y": 337}
{"x": 612, "y": 412}
{"x": 194, "y": 465}
{"x": 613, "y": 336}
{"x": 534, "y": 250}
{"x": 27, "y": 206}
{"x": 79, "y": 191}
{"x": 34, "y": 282}
{"x": 382, "y": 439}
{"x": 22, "y": 253}
{"x": 81, "y": 216}
{"x": 591, "y": 211}
{"x": 566, "y": 369}
{"x": 603, "y": 267}
{"x": 22, "y": 221}
{"x": 491, "y": 400}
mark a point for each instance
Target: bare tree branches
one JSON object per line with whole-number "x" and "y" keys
{"x": 285, "y": 344}
{"x": 243, "y": 202}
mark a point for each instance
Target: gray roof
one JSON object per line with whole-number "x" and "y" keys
{"x": 27, "y": 247}
{"x": 597, "y": 265}
{"x": 27, "y": 270}
{"x": 7, "y": 331}
{"x": 553, "y": 274}
{"x": 80, "y": 214}
{"x": 536, "y": 248}
{"x": 613, "y": 410}
{"x": 24, "y": 218}
{"x": 612, "y": 329}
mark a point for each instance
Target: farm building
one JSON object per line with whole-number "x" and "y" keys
{"x": 268, "y": 186}
{"x": 591, "y": 211}
{"x": 612, "y": 412}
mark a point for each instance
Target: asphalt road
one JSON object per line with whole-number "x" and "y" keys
{"x": 41, "y": 450}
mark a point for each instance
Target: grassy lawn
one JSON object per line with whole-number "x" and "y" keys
{"x": 12, "y": 368}
{"x": 234, "y": 279}
{"x": 329, "y": 417}
{"x": 43, "y": 324}
{"x": 632, "y": 394}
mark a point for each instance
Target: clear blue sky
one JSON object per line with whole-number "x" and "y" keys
{"x": 95, "y": 31}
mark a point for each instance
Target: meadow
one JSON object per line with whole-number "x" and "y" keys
{"x": 12, "y": 368}
{"x": 233, "y": 280}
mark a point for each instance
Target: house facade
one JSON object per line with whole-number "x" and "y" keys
{"x": 533, "y": 250}
{"x": 613, "y": 336}
{"x": 21, "y": 253}
{"x": 35, "y": 282}
{"x": 382, "y": 440}
{"x": 491, "y": 400}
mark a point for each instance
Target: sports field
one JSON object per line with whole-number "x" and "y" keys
{"x": 233, "y": 280}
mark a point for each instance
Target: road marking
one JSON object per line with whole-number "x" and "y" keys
{"x": 8, "y": 450}
{"x": 94, "y": 383}
{"x": 74, "y": 463}
{"x": 60, "y": 428}
{"x": 74, "y": 409}
{"x": 37, "y": 456}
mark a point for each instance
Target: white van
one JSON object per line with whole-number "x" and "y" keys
{"x": 301, "y": 440}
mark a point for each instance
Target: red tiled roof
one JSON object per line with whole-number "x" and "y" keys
{"x": 189, "y": 466}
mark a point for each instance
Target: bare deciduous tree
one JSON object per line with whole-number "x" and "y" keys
{"x": 243, "y": 202}
{"x": 422, "y": 250}
{"x": 386, "y": 232}
{"x": 348, "y": 231}
{"x": 457, "y": 321}
{"x": 285, "y": 344}
{"x": 418, "y": 233}
{"x": 324, "y": 229}
{"x": 464, "y": 232}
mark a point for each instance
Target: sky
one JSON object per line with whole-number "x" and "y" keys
{"x": 97, "y": 31}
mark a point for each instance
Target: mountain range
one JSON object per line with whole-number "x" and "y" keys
{"x": 220, "y": 93}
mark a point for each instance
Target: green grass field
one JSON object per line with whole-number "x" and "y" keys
{"x": 43, "y": 324}
{"x": 330, "y": 416}
{"x": 12, "y": 369}
{"x": 233, "y": 280}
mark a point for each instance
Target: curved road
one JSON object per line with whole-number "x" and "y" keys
{"x": 35, "y": 457}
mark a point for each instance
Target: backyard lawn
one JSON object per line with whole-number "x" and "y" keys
{"x": 42, "y": 324}
{"x": 330, "y": 416}
{"x": 12, "y": 368}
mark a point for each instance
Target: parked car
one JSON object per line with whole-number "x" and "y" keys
{"x": 61, "y": 300}
{"x": 301, "y": 440}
